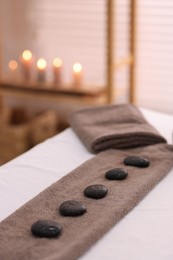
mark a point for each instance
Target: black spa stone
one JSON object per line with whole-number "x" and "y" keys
{"x": 96, "y": 191}
{"x": 46, "y": 228}
{"x": 137, "y": 161}
{"x": 72, "y": 208}
{"x": 116, "y": 174}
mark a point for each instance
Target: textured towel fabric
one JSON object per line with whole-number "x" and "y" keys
{"x": 113, "y": 126}
{"x": 79, "y": 233}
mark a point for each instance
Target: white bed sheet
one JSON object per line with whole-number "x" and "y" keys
{"x": 145, "y": 233}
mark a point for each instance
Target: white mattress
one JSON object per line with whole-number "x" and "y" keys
{"x": 145, "y": 233}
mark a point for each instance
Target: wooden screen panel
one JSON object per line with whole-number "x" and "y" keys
{"x": 155, "y": 54}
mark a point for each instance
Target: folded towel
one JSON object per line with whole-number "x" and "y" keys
{"x": 79, "y": 233}
{"x": 113, "y": 126}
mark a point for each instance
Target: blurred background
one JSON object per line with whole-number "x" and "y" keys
{"x": 60, "y": 55}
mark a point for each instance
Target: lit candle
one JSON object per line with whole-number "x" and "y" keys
{"x": 57, "y": 70}
{"x": 13, "y": 69}
{"x": 41, "y": 65}
{"x": 26, "y": 61}
{"x": 77, "y": 74}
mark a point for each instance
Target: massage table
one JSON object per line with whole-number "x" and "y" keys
{"x": 144, "y": 233}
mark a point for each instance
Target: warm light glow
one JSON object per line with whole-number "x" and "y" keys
{"x": 77, "y": 67}
{"x": 27, "y": 55}
{"x": 12, "y": 65}
{"x": 41, "y": 64}
{"x": 57, "y": 62}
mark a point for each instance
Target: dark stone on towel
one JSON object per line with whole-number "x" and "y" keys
{"x": 96, "y": 191}
{"x": 46, "y": 228}
{"x": 137, "y": 161}
{"x": 80, "y": 233}
{"x": 72, "y": 208}
{"x": 116, "y": 174}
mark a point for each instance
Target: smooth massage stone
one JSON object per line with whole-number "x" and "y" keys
{"x": 46, "y": 228}
{"x": 137, "y": 161}
{"x": 72, "y": 208}
{"x": 96, "y": 191}
{"x": 116, "y": 174}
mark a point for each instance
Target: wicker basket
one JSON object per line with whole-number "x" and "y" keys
{"x": 20, "y": 131}
{"x": 43, "y": 126}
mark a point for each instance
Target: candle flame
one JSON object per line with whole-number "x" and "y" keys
{"x": 13, "y": 65}
{"x": 41, "y": 64}
{"x": 57, "y": 62}
{"x": 27, "y": 55}
{"x": 77, "y": 67}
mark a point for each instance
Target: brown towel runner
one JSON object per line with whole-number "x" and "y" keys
{"x": 79, "y": 233}
{"x": 113, "y": 126}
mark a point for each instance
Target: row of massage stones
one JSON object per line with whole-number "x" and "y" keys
{"x": 48, "y": 228}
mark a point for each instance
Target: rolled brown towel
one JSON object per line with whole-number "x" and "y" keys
{"x": 113, "y": 126}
